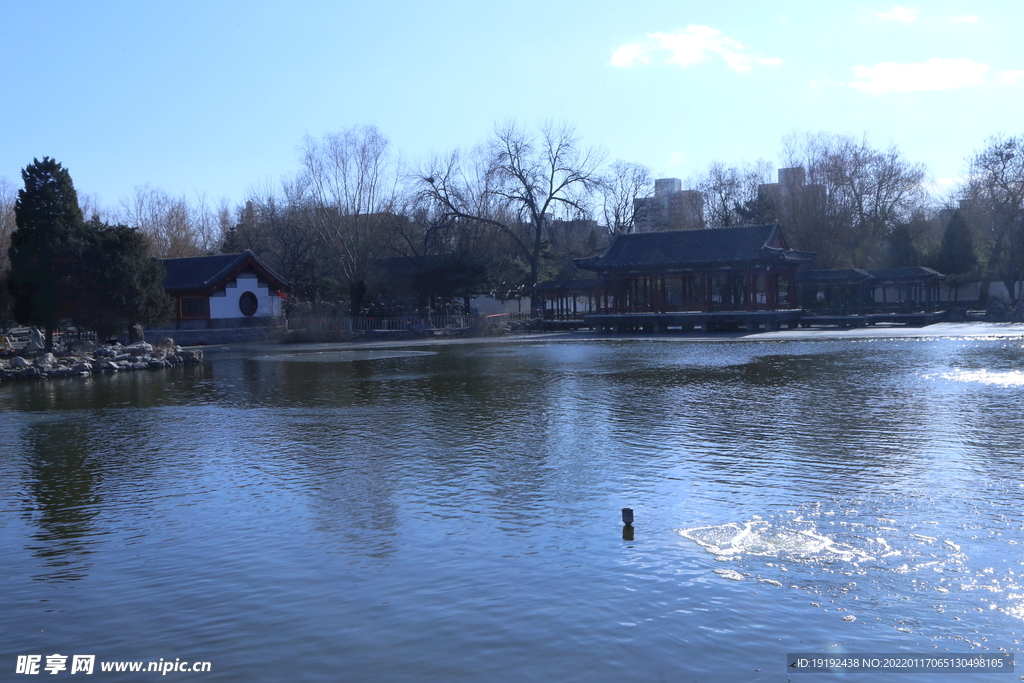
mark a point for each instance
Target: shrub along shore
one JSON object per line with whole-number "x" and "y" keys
{"x": 88, "y": 358}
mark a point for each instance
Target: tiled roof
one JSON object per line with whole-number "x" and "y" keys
{"x": 909, "y": 273}
{"x": 207, "y": 272}
{"x": 746, "y": 245}
{"x": 836, "y": 275}
{"x": 849, "y": 276}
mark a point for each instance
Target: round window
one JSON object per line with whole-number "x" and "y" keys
{"x": 248, "y": 303}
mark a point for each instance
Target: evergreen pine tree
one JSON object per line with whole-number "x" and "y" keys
{"x": 956, "y": 254}
{"x": 231, "y": 242}
{"x": 901, "y": 252}
{"x": 44, "y": 246}
{"x": 758, "y": 211}
{"x": 120, "y": 284}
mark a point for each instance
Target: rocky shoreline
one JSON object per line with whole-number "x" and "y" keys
{"x": 89, "y": 359}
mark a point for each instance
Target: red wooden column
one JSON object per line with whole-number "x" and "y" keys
{"x": 750, "y": 289}
{"x": 705, "y": 291}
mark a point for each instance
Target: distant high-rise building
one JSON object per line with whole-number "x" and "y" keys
{"x": 792, "y": 196}
{"x": 671, "y": 208}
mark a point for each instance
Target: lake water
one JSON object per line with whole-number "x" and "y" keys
{"x": 452, "y": 512}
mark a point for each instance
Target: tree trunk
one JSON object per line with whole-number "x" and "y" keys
{"x": 356, "y": 295}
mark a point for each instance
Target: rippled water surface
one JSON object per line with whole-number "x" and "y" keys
{"x": 451, "y": 513}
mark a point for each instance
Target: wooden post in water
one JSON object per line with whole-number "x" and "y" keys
{"x": 627, "y": 524}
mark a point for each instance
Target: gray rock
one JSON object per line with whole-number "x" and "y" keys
{"x": 83, "y": 366}
{"x": 36, "y": 341}
{"x": 191, "y": 356}
{"x": 140, "y": 349}
{"x": 45, "y": 359}
{"x": 83, "y": 346}
{"x": 18, "y": 363}
{"x": 996, "y": 312}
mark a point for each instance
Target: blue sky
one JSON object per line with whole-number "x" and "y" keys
{"x": 214, "y": 97}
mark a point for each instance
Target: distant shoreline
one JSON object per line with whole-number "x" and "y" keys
{"x": 938, "y": 330}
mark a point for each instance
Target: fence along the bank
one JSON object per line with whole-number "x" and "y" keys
{"x": 434, "y": 322}
{"x": 346, "y": 324}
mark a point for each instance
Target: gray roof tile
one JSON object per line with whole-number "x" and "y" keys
{"x": 207, "y": 272}
{"x": 746, "y": 245}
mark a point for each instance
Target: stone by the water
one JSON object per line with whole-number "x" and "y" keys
{"x": 109, "y": 359}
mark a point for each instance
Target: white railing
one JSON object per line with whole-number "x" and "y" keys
{"x": 499, "y": 319}
{"x": 434, "y": 322}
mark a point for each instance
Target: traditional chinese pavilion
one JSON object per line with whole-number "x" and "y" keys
{"x": 722, "y": 276}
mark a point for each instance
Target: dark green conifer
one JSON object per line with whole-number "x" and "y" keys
{"x": 44, "y": 246}
{"x": 956, "y": 254}
{"x": 120, "y": 284}
{"x": 901, "y": 252}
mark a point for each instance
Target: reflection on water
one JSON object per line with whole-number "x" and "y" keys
{"x": 455, "y": 514}
{"x": 1011, "y": 378}
{"x": 62, "y": 480}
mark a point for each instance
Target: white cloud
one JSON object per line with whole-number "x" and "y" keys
{"x": 900, "y": 13}
{"x": 677, "y": 159}
{"x": 688, "y": 47}
{"x": 1010, "y": 77}
{"x": 968, "y": 19}
{"x": 935, "y": 74}
{"x": 630, "y": 55}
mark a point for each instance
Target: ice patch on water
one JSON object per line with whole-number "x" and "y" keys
{"x": 821, "y": 551}
{"x": 765, "y": 539}
{"x": 730, "y": 574}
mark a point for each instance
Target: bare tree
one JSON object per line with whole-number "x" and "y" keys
{"x": 277, "y": 224}
{"x": 622, "y": 184}
{"x": 863, "y": 194}
{"x": 175, "y": 228}
{"x": 726, "y": 189}
{"x": 994, "y": 200}
{"x": 517, "y": 184}
{"x": 353, "y": 179}
{"x": 8, "y": 196}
